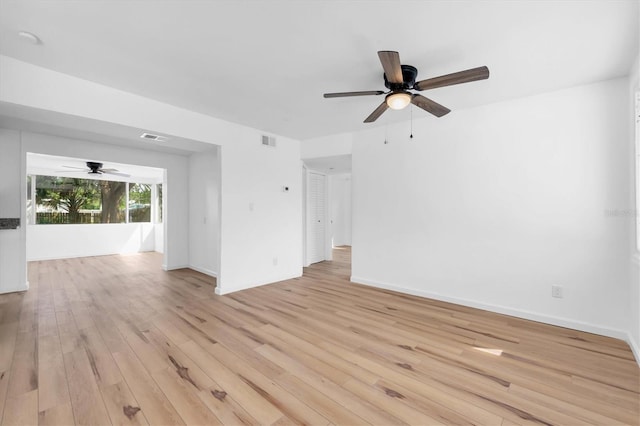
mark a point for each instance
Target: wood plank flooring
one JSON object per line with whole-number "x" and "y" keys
{"x": 116, "y": 340}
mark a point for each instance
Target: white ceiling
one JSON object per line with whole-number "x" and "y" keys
{"x": 267, "y": 63}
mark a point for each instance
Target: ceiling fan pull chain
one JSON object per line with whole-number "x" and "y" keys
{"x": 411, "y": 134}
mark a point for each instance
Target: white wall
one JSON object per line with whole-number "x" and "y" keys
{"x": 490, "y": 206}
{"x": 262, "y": 225}
{"x": 248, "y": 173}
{"x": 340, "y": 205}
{"x": 66, "y": 241}
{"x": 13, "y": 267}
{"x": 634, "y": 176}
{"x": 204, "y": 212}
{"x": 41, "y": 239}
{"x": 327, "y": 146}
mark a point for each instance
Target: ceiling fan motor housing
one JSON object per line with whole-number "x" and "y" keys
{"x": 95, "y": 167}
{"x": 409, "y": 75}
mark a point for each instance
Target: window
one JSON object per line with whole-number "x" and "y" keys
{"x": 65, "y": 200}
{"x": 113, "y": 202}
{"x": 139, "y": 202}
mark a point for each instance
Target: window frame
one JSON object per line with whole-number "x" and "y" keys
{"x": 32, "y": 213}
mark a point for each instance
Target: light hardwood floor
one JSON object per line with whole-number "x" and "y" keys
{"x": 115, "y": 340}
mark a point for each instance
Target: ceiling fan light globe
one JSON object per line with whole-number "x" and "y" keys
{"x": 398, "y": 100}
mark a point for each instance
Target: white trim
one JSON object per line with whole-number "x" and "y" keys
{"x": 305, "y": 171}
{"x": 34, "y": 207}
{"x": 165, "y": 225}
{"x": 126, "y": 203}
{"x": 636, "y": 163}
{"x": 534, "y": 316}
{"x": 204, "y": 271}
{"x": 153, "y": 207}
{"x": 635, "y": 347}
{"x": 240, "y": 287}
{"x": 173, "y": 268}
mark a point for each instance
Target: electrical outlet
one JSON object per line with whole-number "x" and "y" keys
{"x": 556, "y": 291}
{"x": 275, "y": 261}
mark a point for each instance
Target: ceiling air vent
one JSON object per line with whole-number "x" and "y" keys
{"x": 268, "y": 140}
{"x": 153, "y": 137}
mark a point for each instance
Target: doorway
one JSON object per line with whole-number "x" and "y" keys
{"x": 338, "y": 268}
{"x": 326, "y": 207}
{"x": 316, "y": 217}
{"x": 75, "y": 211}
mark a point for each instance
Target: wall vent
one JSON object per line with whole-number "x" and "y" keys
{"x": 268, "y": 140}
{"x": 153, "y": 137}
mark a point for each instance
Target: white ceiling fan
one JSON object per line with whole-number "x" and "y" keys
{"x": 95, "y": 168}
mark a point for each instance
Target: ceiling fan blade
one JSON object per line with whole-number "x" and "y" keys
{"x": 72, "y": 167}
{"x": 429, "y": 105}
{"x": 70, "y": 171}
{"x": 343, "y": 94}
{"x": 480, "y": 73}
{"x": 108, "y": 172}
{"x": 391, "y": 64}
{"x": 377, "y": 113}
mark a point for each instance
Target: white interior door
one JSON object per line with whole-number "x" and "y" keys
{"x": 316, "y": 217}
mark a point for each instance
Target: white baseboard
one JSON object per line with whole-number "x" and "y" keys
{"x": 534, "y": 316}
{"x": 172, "y": 268}
{"x": 226, "y": 289}
{"x": 204, "y": 271}
{"x": 635, "y": 347}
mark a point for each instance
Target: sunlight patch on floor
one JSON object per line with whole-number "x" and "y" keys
{"x": 496, "y": 352}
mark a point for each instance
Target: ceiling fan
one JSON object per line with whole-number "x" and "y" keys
{"x": 95, "y": 168}
{"x": 399, "y": 79}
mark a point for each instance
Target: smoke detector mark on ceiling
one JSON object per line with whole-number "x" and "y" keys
{"x": 153, "y": 137}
